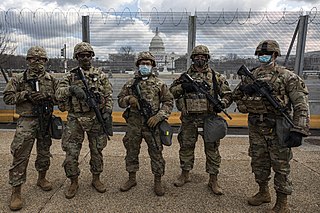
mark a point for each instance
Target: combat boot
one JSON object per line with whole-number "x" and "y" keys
{"x": 42, "y": 182}
{"x": 182, "y": 179}
{"x": 73, "y": 188}
{"x": 214, "y": 186}
{"x": 263, "y": 196}
{"x": 158, "y": 188}
{"x": 281, "y": 205}
{"x": 96, "y": 183}
{"x": 16, "y": 201}
{"x": 129, "y": 183}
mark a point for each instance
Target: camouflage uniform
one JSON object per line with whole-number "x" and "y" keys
{"x": 155, "y": 91}
{"x": 268, "y": 130}
{"x": 81, "y": 118}
{"x": 16, "y": 93}
{"x": 195, "y": 108}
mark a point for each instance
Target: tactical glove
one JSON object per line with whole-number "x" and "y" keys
{"x": 188, "y": 87}
{"x": 153, "y": 121}
{"x": 106, "y": 114}
{"x": 78, "y": 92}
{"x": 294, "y": 139}
{"x": 218, "y": 108}
{"x": 38, "y": 96}
{"x": 133, "y": 102}
{"x": 247, "y": 89}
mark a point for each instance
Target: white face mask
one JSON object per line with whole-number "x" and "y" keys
{"x": 145, "y": 70}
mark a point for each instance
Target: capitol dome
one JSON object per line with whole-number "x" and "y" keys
{"x": 156, "y": 44}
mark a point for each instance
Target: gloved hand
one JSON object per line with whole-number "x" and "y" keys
{"x": 78, "y": 92}
{"x": 133, "y": 102}
{"x": 219, "y": 106}
{"x": 247, "y": 89}
{"x": 153, "y": 121}
{"x": 294, "y": 139}
{"x": 106, "y": 113}
{"x": 38, "y": 96}
{"x": 188, "y": 87}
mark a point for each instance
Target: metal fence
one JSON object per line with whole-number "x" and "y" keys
{"x": 229, "y": 35}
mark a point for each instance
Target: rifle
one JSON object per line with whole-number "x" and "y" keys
{"x": 43, "y": 109}
{"x": 204, "y": 88}
{"x": 93, "y": 104}
{"x": 264, "y": 91}
{"x": 145, "y": 108}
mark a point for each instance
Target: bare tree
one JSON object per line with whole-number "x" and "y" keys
{"x": 7, "y": 47}
{"x": 126, "y": 50}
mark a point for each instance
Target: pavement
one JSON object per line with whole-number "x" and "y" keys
{"x": 235, "y": 178}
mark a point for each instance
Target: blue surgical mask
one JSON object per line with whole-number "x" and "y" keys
{"x": 145, "y": 70}
{"x": 265, "y": 58}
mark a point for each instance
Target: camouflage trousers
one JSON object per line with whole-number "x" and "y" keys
{"x": 191, "y": 127}
{"x": 266, "y": 152}
{"x": 132, "y": 142}
{"x": 72, "y": 139}
{"x": 26, "y": 132}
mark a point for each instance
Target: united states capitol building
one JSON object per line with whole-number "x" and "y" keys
{"x": 165, "y": 61}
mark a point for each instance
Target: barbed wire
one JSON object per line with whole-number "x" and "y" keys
{"x": 206, "y": 17}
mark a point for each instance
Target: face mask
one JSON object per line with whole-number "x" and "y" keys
{"x": 265, "y": 58}
{"x": 200, "y": 62}
{"x": 145, "y": 70}
{"x": 85, "y": 63}
{"x": 37, "y": 66}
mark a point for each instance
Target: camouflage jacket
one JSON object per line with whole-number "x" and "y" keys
{"x": 287, "y": 87}
{"x": 153, "y": 90}
{"x": 223, "y": 89}
{"x": 16, "y": 90}
{"x": 97, "y": 82}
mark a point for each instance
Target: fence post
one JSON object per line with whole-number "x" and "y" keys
{"x": 301, "y": 44}
{"x": 85, "y": 29}
{"x": 191, "y": 37}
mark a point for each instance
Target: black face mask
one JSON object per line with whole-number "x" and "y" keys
{"x": 85, "y": 63}
{"x": 200, "y": 62}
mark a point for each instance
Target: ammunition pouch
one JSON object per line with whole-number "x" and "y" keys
{"x": 56, "y": 127}
{"x": 215, "y": 128}
{"x": 196, "y": 103}
{"x": 254, "y": 104}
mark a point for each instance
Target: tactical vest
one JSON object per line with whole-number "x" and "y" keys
{"x": 197, "y": 102}
{"x": 259, "y": 105}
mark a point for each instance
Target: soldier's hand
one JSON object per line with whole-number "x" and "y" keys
{"x": 153, "y": 121}
{"x": 78, "y": 92}
{"x": 188, "y": 87}
{"x": 294, "y": 139}
{"x": 133, "y": 102}
{"x": 247, "y": 89}
{"x": 218, "y": 108}
{"x": 38, "y": 96}
{"x": 106, "y": 114}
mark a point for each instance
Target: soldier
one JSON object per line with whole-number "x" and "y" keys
{"x": 82, "y": 118}
{"x": 33, "y": 94}
{"x": 143, "y": 93}
{"x": 270, "y": 136}
{"x": 197, "y": 112}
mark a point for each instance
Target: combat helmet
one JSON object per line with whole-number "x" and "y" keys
{"x": 268, "y": 47}
{"x": 200, "y": 50}
{"x": 37, "y": 51}
{"x": 82, "y": 47}
{"x": 146, "y": 56}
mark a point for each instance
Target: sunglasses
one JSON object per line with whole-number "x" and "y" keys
{"x": 84, "y": 55}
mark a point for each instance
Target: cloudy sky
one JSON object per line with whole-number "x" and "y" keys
{"x": 54, "y": 23}
{"x": 165, "y": 5}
